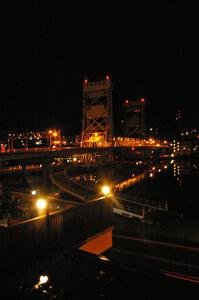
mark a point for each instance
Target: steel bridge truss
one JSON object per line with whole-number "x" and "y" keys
{"x": 53, "y": 137}
{"x": 97, "y": 127}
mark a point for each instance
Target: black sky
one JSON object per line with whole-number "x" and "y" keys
{"x": 48, "y": 47}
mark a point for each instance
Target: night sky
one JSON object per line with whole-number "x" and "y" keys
{"x": 48, "y": 48}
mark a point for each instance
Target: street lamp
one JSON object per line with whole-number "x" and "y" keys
{"x": 50, "y": 137}
{"x": 42, "y": 206}
{"x": 42, "y": 280}
{"x": 33, "y": 192}
{"x": 106, "y": 190}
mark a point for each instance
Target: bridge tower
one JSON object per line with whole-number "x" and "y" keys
{"x": 97, "y": 124}
{"x": 134, "y": 118}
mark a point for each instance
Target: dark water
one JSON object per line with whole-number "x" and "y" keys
{"x": 173, "y": 182}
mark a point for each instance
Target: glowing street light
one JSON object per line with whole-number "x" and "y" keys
{"x": 42, "y": 280}
{"x": 33, "y": 192}
{"x": 106, "y": 190}
{"x": 41, "y": 204}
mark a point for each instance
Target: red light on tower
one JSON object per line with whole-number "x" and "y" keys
{"x": 85, "y": 81}
{"x": 126, "y": 101}
{"x": 107, "y": 77}
{"x": 142, "y": 100}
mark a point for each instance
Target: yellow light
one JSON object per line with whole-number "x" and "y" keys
{"x": 55, "y": 133}
{"x": 50, "y": 131}
{"x": 103, "y": 257}
{"x": 106, "y": 190}
{"x": 75, "y": 159}
{"x": 41, "y": 204}
{"x": 42, "y": 279}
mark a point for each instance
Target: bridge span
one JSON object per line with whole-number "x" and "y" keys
{"x": 21, "y": 154}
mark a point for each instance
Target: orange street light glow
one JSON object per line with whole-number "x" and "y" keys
{"x": 106, "y": 190}
{"x": 41, "y": 204}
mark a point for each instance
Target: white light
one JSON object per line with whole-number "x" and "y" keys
{"x": 43, "y": 279}
{"x": 34, "y": 192}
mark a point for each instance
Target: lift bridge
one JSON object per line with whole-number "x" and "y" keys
{"x": 97, "y": 125}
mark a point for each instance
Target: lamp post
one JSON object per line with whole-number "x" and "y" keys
{"x": 50, "y": 138}
{"x": 106, "y": 190}
{"x": 42, "y": 206}
{"x": 43, "y": 209}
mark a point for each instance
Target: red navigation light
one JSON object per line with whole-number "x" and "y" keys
{"x": 142, "y": 100}
{"x": 85, "y": 81}
{"x": 107, "y": 77}
{"x": 126, "y": 101}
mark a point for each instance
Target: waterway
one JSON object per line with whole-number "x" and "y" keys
{"x": 173, "y": 182}
{"x": 77, "y": 276}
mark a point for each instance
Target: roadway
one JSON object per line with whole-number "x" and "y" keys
{"x": 46, "y": 151}
{"x": 63, "y": 182}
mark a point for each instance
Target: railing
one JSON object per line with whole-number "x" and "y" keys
{"x": 135, "y": 210}
{"x": 136, "y": 207}
{"x": 144, "y": 202}
{"x": 23, "y": 242}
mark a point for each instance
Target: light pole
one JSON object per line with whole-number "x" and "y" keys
{"x": 106, "y": 190}
{"x": 42, "y": 206}
{"x": 50, "y": 138}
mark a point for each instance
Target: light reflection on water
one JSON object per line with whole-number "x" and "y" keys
{"x": 174, "y": 182}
